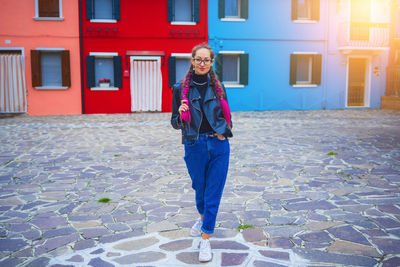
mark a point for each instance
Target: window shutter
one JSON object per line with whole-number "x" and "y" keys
{"x": 36, "y": 68}
{"x": 116, "y": 9}
{"x": 315, "y": 9}
{"x": 117, "y": 71}
{"x": 89, "y": 9}
{"x": 90, "y": 71}
{"x": 221, "y": 9}
{"x": 65, "y": 69}
{"x": 170, "y": 10}
{"x": 244, "y": 9}
{"x": 293, "y": 66}
{"x": 294, "y": 9}
{"x": 171, "y": 71}
{"x": 244, "y": 69}
{"x": 196, "y": 10}
{"x": 218, "y": 66}
{"x": 49, "y": 8}
{"x": 316, "y": 69}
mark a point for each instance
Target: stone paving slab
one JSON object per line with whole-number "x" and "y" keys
{"x": 309, "y": 188}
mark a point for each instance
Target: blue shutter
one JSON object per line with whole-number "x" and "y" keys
{"x": 171, "y": 71}
{"x": 116, "y": 9}
{"x": 196, "y": 10}
{"x": 244, "y": 69}
{"x": 170, "y": 10}
{"x": 89, "y": 9}
{"x": 117, "y": 71}
{"x": 221, "y": 9}
{"x": 90, "y": 71}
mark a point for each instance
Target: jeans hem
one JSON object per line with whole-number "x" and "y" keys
{"x": 206, "y": 231}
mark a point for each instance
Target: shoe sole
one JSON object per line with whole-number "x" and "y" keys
{"x": 205, "y": 260}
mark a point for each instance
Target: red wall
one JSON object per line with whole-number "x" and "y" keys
{"x": 143, "y": 26}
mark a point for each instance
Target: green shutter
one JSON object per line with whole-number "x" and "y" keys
{"x": 170, "y": 10}
{"x": 244, "y": 69}
{"x": 89, "y": 9}
{"x": 293, "y": 66}
{"x": 315, "y": 10}
{"x": 117, "y": 71}
{"x": 244, "y": 9}
{"x": 90, "y": 71}
{"x": 171, "y": 71}
{"x": 294, "y": 9}
{"x": 218, "y": 66}
{"x": 316, "y": 69}
{"x": 116, "y": 9}
{"x": 196, "y": 10}
{"x": 221, "y": 9}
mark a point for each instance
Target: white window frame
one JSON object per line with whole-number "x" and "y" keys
{"x": 306, "y": 84}
{"x": 48, "y": 18}
{"x": 190, "y": 23}
{"x": 230, "y": 84}
{"x": 51, "y": 49}
{"x": 103, "y": 55}
{"x": 181, "y": 55}
{"x": 103, "y": 20}
{"x": 236, "y": 18}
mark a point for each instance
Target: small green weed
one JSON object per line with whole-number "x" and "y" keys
{"x": 104, "y": 200}
{"x": 332, "y": 153}
{"x": 244, "y": 226}
{"x": 118, "y": 155}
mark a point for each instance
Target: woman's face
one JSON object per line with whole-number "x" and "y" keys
{"x": 202, "y": 61}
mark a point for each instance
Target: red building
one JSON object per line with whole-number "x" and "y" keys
{"x": 134, "y": 51}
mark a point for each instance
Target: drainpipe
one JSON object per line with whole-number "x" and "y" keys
{"x": 81, "y": 54}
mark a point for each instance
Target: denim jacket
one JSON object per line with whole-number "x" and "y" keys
{"x": 212, "y": 111}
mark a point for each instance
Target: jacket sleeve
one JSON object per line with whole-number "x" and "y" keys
{"x": 176, "y": 102}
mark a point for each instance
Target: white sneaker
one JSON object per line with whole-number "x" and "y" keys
{"x": 196, "y": 228}
{"x": 205, "y": 250}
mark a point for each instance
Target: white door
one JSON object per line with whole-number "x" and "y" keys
{"x": 146, "y": 83}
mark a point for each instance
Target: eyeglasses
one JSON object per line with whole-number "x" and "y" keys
{"x": 205, "y": 61}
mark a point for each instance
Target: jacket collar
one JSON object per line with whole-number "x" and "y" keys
{"x": 209, "y": 93}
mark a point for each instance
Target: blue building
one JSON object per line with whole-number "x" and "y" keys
{"x": 301, "y": 54}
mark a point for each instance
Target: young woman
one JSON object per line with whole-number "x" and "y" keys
{"x": 201, "y": 111}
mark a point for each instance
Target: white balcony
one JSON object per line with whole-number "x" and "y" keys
{"x": 363, "y": 36}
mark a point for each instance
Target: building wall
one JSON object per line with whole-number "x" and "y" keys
{"x": 19, "y": 29}
{"x": 270, "y": 35}
{"x": 143, "y": 26}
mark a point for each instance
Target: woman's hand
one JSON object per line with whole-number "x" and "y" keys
{"x": 219, "y": 136}
{"x": 183, "y": 107}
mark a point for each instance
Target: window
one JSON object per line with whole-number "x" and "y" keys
{"x": 104, "y": 71}
{"x": 50, "y": 69}
{"x": 103, "y": 10}
{"x": 305, "y": 69}
{"x": 178, "y": 65}
{"x": 232, "y": 68}
{"x": 305, "y": 10}
{"x": 231, "y": 10}
{"x": 48, "y": 9}
{"x": 183, "y": 11}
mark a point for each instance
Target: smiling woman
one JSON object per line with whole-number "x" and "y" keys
{"x": 201, "y": 111}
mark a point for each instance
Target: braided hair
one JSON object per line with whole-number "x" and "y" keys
{"x": 217, "y": 87}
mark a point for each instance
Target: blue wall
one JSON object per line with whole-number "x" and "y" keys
{"x": 269, "y": 36}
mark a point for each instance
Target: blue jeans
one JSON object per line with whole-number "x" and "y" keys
{"x": 207, "y": 161}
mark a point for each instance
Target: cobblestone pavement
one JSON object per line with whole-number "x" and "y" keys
{"x": 305, "y": 206}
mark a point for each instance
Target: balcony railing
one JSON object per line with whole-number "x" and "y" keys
{"x": 363, "y": 35}
{"x": 393, "y": 81}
